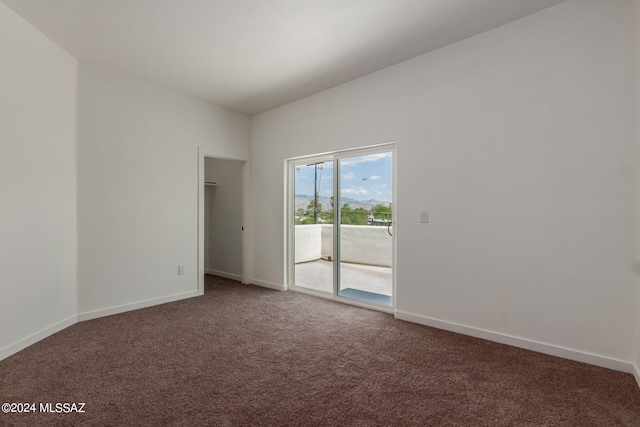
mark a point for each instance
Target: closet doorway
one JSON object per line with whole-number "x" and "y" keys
{"x": 221, "y": 216}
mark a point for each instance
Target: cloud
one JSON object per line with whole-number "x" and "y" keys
{"x": 375, "y": 177}
{"x": 355, "y": 191}
{"x": 349, "y": 175}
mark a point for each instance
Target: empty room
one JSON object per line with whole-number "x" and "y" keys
{"x": 320, "y": 212}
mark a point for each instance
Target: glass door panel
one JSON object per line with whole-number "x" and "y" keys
{"x": 364, "y": 249}
{"x": 313, "y": 226}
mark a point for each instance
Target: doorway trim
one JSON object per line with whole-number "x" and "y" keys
{"x": 203, "y": 153}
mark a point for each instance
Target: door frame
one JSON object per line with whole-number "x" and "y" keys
{"x": 289, "y": 270}
{"x": 204, "y": 152}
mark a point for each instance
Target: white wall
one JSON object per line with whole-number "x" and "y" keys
{"x": 138, "y": 188}
{"x": 37, "y": 185}
{"x": 519, "y": 143}
{"x": 224, "y": 216}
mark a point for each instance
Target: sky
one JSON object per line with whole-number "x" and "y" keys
{"x": 362, "y": 178}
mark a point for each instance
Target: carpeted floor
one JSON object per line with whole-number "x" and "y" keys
{"x": 243, "y": 355}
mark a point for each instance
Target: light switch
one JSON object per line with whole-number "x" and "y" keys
{"x": 424, "y": 216}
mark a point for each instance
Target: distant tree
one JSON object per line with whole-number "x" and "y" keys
{"x": 356, "y": 216}
{"x": 381, "y": 211}
{"x": 303, "y": 217}
{"x": 325, "y": 217}
{"x": 312, "y": 209}
{"x": 348, "y": 216}
{"x": 312, "y": 206}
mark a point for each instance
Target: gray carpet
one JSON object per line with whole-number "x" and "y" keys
{"x": 247, "y": 356}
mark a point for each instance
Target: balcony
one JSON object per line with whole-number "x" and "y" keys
{"x": 365, "y": 255}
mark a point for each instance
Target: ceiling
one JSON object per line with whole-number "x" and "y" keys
{"x": 254, "y": 55}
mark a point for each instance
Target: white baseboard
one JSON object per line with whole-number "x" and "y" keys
{"x": 636, "y": 374}
{"x": 88, "y": 315}
{"x": 231, "y": 276}
{"x": 268, "y": 285}
{"x": 12, "y": 349}
{"x": 552, "y": 350}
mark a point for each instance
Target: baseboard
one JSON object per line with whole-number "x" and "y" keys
{"x": 12, "y": 349}
{"x": 88, "y": 315}
{"x": 540, "y": 347}
{"x": 268, "y": 285}
{"x": 231, "y": 276}
{"x": 636, "y": 374}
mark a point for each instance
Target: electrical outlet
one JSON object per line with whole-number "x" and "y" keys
{"x": 181, "y": 270}
{"x": 424, "y": 216}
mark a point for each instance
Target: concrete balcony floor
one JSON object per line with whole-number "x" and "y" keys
{"x": 318, "y": 275}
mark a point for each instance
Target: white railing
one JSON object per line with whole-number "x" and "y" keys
{"x": 360, "y": 244}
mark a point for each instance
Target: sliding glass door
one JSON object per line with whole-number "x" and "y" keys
{"x": 340, "y": 238}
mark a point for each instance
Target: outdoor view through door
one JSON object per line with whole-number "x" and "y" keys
{"x": 342, "y": 226}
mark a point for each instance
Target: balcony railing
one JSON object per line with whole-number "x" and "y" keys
{"x": 359, "y": 244}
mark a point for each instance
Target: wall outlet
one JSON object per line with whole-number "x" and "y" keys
{"x": 181, "y": 270}
{"x": 424, "y": 216}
